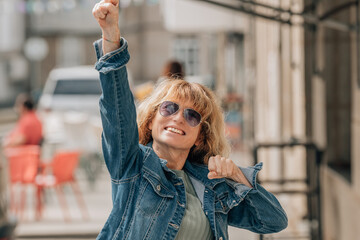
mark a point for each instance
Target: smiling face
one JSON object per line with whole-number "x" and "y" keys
{"x": 173, "y": 131}
{"x": 209, "y": 136}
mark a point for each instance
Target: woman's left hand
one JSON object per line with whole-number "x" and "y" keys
{"x": 221, "y": 167}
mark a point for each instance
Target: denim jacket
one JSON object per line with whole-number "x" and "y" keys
{"x": 148, "y": 198}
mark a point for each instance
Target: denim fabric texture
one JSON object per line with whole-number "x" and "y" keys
{"x": 148, "y": 198}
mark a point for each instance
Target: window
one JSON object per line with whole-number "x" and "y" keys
{"x": 78, "y": 87}
{"x": 186, "y": 50}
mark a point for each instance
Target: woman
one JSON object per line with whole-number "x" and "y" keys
{"x": 168, "y": 178}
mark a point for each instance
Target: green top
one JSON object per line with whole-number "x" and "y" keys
{"x": 195, "y": 224}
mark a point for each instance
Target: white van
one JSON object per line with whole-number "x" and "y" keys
{"x": 74, "y": 88}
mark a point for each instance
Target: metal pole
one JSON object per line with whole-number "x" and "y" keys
{"x": 319, "y": 156}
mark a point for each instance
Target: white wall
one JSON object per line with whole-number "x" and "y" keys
{"x": 189, "y": 15}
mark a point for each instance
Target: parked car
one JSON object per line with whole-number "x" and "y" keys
{"x": 74, "y": 88}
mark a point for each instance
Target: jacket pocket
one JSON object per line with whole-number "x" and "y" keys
{"x": 153, "y": 196}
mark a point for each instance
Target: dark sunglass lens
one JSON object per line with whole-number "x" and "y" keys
{"x": 192, "y": 117}
{"x": 168, "y": 108}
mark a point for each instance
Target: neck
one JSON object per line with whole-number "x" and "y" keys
{"x": 175, "y": 158}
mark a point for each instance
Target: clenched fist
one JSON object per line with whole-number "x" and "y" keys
{"x": 221, "y": 167}
{"x": 106, "y": 12}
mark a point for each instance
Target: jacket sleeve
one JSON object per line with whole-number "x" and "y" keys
{"x": 255, "y": 209}
{"x": 120, "y": 140}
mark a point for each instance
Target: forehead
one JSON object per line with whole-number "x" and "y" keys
{"x": 184, "y": 103}
{"x": 187, "y": 96}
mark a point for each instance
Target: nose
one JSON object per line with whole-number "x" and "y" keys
{"x": 179, "y": 116}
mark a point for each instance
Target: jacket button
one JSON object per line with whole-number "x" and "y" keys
{"x": 181, "y": 205}
{"x": 158, "y": 187}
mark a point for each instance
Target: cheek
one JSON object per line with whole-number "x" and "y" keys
{"x": 155, "y": 122}
{"x": 200, "y": 136}
{"x": 197, "y": 135}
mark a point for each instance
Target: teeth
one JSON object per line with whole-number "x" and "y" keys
{"x": 175, "y": 130}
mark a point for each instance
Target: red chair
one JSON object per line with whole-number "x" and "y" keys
{"x": 23, "y": 167}
{"x": 61, "y": 171}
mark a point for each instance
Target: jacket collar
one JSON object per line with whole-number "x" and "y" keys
{"x": 198, "y": 171}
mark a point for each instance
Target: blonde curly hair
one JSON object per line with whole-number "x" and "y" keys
{"x": 212, "y": 133}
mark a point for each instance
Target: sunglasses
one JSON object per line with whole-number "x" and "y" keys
{"x": 192, "y": 117}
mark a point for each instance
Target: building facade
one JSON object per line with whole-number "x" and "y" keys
{"x": 333, "y": 112}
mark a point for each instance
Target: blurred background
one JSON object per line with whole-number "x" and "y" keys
{"x": 286, "y": 71}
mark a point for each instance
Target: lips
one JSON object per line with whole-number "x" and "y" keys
{"x": 175, "y": 130}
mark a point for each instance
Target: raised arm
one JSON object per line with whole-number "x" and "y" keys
{"x": 117, "y": 108}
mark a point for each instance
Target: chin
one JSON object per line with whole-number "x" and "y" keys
{"x": 175, "y": 144}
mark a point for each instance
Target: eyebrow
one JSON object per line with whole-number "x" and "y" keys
{"x": 177, "y": 102}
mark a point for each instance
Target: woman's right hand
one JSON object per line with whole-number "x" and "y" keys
{"x": 106, "y": 12}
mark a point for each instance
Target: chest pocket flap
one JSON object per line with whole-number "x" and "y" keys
{"x": 221, "y": 203}
{"x": 158, "y": 187}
